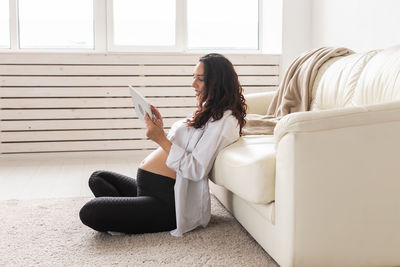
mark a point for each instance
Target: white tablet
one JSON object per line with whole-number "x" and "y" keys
{"x": 141, "y": 105}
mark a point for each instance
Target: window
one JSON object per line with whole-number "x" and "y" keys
{"x": 144, "y": 23}
{"x": 56, "y": 24}
{"x": 222, "y": 24}
{"x": 141, "y": 25}
{"x": 4, "y": 24}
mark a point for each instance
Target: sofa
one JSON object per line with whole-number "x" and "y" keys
{"x": 324, "y": 189}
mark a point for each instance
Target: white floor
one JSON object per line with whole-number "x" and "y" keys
{"x": 52, "y": 175}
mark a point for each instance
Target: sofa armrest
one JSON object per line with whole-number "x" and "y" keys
{"x": 337, "y": 183}
{"x": 337, "y": 118}
{"x": 258, "y": 103}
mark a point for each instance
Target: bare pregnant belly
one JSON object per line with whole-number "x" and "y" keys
{"x": 155, "y": 162}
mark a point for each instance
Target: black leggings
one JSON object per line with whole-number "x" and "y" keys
{"x": 123, "y": 204}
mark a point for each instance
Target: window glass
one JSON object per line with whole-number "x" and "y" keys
{"x": 56, "y": 24}
{"x": 4, "y": 24}
{"x": 222, "y": 24}
{"x": 144, "y": 22}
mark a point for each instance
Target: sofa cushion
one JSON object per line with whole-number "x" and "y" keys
{"x": 247, "y": 168}
{"x": 337, "y": 79}
{"x": 380, "y": 80}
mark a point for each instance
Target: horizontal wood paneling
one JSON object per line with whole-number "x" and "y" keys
{"x": 28, "y": 92}
{"x": 128, "y": 59}
{"x": 34, "y": 125}
{"x": 76, "y": 146}
{"x": 120, "y": 70}
{"x": 75, "y": 135}
{"x": 76, "y": 113}
{"x": 55, "y": 102}
{"x": 92, "y": 102}
{"x": 120, "y": 81}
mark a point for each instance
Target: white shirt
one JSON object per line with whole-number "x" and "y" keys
{"x": 192, "y": 156}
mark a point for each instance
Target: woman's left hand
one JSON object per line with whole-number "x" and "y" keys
{"x": 155, "y": 127}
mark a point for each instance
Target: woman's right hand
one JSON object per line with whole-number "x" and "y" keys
{"x": 157, "y": 118}
{"x": 155, "y": 129}
{"x": 155, "y": 126}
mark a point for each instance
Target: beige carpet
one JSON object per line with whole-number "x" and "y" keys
{"x": 48, "y": 232}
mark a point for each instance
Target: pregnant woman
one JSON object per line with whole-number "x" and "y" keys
{"x": 170, "y": 192}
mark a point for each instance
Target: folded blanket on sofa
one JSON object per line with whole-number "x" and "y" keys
{"x": 294, "y": 93}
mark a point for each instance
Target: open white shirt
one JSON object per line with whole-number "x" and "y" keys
{"x": 192, "y": 156}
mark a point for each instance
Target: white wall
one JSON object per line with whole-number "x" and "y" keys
{"x": 360, "y": 25}
{"x": 296, "y": 29}
{"x": 272, "y": 26}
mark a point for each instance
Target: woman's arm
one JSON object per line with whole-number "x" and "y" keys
{"x": 193, "y": 165}
{"x": 155, "y": 130}
{"x": 197, "y": 164}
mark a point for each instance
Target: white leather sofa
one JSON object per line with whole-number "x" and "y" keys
{"x": 324, "y": 190}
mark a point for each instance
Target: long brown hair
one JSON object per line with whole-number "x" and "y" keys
{"x": 222, "y": 92}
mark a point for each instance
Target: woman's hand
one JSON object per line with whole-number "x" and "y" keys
{"x": 157, "y": 118}
{"x": 155, "y": 128}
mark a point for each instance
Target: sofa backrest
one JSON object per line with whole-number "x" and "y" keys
{"x": 359, "y": 79}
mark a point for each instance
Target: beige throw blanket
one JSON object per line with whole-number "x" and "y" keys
{"x": 294, "y": 93}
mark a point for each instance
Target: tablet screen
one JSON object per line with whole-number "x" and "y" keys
{"x": 140, "y": 103}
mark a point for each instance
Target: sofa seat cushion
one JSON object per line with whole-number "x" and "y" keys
{"x": 247, "y": 168}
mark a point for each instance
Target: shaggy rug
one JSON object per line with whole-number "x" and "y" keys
{"x": 48, "y": 232}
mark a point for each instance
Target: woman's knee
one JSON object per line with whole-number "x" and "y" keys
{"x": 90, "y": 215}
{"x": 94, "y": 178}
{"x": 84, "y": 213}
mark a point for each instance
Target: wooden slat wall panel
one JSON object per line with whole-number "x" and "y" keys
{"x": 76, "y": 135}
{"x": 93, "y": 113}
{"x": 67, "y": 146}
{"x": 120, "y": 80}
{"x": 59, "y": 102}
{"x": 128, "y": 59}
{"x": 120, "y": 70}
{"x": 28, "y": 92}
{"x": 35, "y": 125}
{"x": 93, "y": 102}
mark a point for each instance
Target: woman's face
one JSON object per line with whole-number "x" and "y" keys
{"x": 198, "y": 79}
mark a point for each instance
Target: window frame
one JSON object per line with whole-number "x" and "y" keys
{"x": 14, "y": 29}
{"x": 103, "y": 33}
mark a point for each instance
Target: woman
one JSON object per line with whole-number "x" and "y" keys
{"x": 171, "y": 191}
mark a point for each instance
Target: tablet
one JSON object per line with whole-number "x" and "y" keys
{"x": 141, "y": 105}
